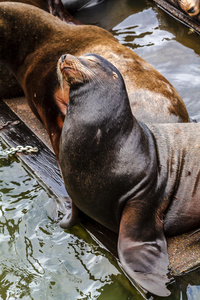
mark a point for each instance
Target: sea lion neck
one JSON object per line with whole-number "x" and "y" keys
{"x": 95, "y": 108}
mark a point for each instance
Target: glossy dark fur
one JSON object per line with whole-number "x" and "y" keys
{"x": 31, "y": 42}
{"x": 141, "y": 181}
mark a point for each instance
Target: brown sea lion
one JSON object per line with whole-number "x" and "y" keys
{"x": 140, "y": 181}
{"x": 32, "y": 40}
{"x": 9, "y": 87}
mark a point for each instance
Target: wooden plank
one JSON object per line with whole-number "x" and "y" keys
{"x": 179, "y": 15}
{"x": 43, "y": 163}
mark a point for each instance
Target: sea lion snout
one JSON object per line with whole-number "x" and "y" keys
{"x": 63, "y": 58}
{"x": 70, "y": 68}
{"x": 190, "y": 7}
{"x": 66, "y": 61}
{"x": 67, "y": 58}
{"x": 191, "y": 10}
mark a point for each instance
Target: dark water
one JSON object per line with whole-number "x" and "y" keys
{"x": 38, "y": 259}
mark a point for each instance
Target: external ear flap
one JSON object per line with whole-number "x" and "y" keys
{"x": 142, "y": 248}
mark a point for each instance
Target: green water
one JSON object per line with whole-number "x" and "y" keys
{"x": 39, "y": 260}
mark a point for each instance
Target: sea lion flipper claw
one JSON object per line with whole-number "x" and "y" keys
{"x": 70, "y": 213}
{"x": 142, "y": 249}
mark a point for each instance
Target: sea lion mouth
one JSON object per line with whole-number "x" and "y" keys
{"x": 68, "y": 70}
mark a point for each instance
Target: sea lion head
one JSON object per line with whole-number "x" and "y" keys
{"x": 89, "y": 73}
{"x": 190, "y": 7}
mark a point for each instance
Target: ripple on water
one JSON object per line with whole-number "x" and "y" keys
{"x": 39, "y": 260}
{"x": 166, "y": 45}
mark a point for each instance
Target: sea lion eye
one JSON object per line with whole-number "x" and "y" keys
{"x": 94, "y": 60}
{"x": 91, "y": 59}
{"x": 115, "y": 76}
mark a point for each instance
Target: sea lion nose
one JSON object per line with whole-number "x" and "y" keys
{"x": 191, "y": 10}
{"x": 63, "y": 57}
{"x": 69, "y": 57}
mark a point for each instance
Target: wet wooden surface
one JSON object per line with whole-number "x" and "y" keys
{"x": 183, "y": 250}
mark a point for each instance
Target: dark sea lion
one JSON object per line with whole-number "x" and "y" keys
{"x": 77, "y": 5}
{"x": 140, "y": 181}
{"x": 104, "y": 13}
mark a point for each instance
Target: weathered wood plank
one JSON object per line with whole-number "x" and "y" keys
{"x": 43, "y": 163}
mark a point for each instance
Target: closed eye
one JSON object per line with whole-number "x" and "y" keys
{"x": 93, "y": 60}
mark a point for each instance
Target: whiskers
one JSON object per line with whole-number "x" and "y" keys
{"x": 87, "y": 75}
{"x": 59, "y": 75}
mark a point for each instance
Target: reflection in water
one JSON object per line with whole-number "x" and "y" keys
{"x": 39, "y": 260}
{"x": 167, "y": 45}
{"x": 161, "y": 40}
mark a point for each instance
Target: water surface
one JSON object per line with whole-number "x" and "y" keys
{"x": 39, "y": 260}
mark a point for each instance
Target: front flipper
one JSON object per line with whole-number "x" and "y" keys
{"x": 67, "y": 213}
{"x": 142, "y": 248}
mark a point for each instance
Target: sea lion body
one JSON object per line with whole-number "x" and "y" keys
{"x": 32, "y": 40}
{"x": 178, "y": 153}
{"x": 9, "y": 87}
{"x": 141, "y": 181}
